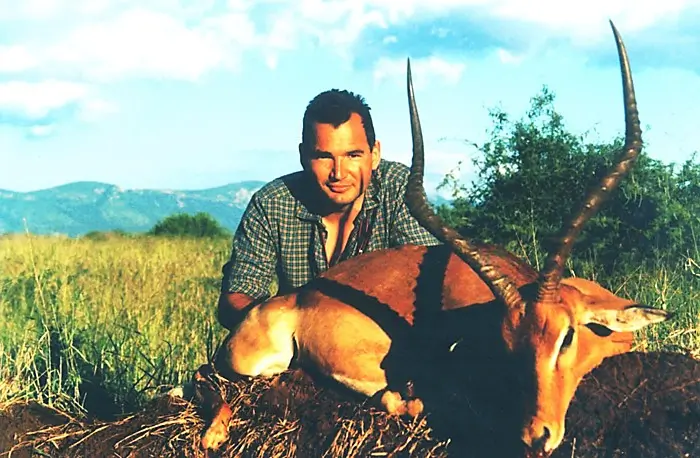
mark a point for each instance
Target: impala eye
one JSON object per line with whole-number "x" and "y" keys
{"x": 568, "y": 339}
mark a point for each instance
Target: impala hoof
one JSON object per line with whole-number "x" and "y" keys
{"x": 414, "y": 407}
{"x": 217, "y": 432}
{"x": 394, "y": 404}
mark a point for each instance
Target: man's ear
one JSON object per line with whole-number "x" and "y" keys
{"x": 376, "y": 154}
{"x": 302, "y": 156}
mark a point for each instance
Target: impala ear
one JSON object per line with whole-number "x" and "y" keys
{"x": 628, "y": 319}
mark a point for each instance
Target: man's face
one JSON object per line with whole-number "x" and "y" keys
{"x": 341, "y": 160}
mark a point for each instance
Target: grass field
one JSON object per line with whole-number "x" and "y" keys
{"x": 114, "y": 320}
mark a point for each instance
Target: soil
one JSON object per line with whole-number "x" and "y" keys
{"x": 638, "y": 404}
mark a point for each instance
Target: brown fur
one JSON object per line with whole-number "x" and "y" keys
{"x": 462, "y": 286}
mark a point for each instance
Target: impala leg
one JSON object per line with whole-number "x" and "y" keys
{"x": 262, "y": 345}
{"x": 215, "y": 408}
{"x": 354, "y": 353}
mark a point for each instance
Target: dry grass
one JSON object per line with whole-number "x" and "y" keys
{"x": 263, "y": 426}
{"x": 639, "y": 404}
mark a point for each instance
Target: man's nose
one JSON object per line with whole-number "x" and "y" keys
{"x": 338, "y": 168}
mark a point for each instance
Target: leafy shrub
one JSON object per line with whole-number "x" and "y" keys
{"x": 201, "y": 225}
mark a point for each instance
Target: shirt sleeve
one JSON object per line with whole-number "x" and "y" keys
{"x": 405, "y": 228}
{"x": 251, "y": 268}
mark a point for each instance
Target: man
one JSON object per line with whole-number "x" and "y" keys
{"x": 345, "y": 201}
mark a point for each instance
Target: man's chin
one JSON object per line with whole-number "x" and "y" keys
{"x": 341, "y": 200}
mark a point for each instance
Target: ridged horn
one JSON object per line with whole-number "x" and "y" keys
{"x": 551, "y": 273}
{"x": 501, "y": 286}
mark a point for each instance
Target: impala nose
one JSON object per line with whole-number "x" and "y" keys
{"x": 538, "y": 443}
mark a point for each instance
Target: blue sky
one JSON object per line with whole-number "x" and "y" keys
{"x": 191, "y": 94}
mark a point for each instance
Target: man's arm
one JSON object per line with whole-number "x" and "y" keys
{"x": 232, "y": 308}
{"x": 248, "y": 274}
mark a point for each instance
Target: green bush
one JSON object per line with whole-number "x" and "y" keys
{"x": 201, "y": 225}
{"x": 532, "y": 174}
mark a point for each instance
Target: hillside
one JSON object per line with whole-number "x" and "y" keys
{"x": 77, "y": 208}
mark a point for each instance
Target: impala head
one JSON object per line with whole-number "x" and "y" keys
{"x": 561, "y": 328}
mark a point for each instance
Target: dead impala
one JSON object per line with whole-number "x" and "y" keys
{"x": 345, "y": 323}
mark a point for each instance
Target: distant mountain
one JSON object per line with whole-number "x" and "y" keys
{"x": 77, "y": 208}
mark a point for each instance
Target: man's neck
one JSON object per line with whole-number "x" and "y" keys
{"x": 344, "y": 214}
{"x": 339, "y": 226}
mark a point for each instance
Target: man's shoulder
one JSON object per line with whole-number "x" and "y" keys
{"x": 392, "y": 175}
{"x": 277, "y": 191}
{"x": 392, "y": 168}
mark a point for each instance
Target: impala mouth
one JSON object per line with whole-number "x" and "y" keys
{"x": 542, "y": 442}
{"x": 537, "y": 454}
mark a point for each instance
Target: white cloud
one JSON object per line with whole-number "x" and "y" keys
{"x": 94, "y": 108}
{"x": 14, "y": 59}
{"x": 104, "y": 41}
{"x": 271, "y": 61}
{"x": 422, "y": 70}
{"x": 283, "y": 33}
{"x": 235, "y": 28}
{"x": 139, "y": 42}
{"x": 576, "y": 17}
{"x": 508, "y": 57}
{"x": 42, "y": 130}
{"x": 338, "y": 23}
{"x": 585, "y": 23}
{"x": 390, "y": 39}
{"x": 93, "y": 7}
{"x": 28, "y": 9}
{"x": 96, "y": 41}
{"x": 161, "y": 42}
{"x": 36, "y": 101}
{"x": 40, "y": 8}
{"x": 589, "y": 19}
{"x": 185, "y": 39}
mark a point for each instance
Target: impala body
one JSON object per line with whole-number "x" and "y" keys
{"x": 376, "y": 323}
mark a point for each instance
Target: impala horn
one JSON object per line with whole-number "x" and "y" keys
{"x": 551, "y": 273}
{"x": 501, "y": 286}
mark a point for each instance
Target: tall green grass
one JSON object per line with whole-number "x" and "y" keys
{"x": 115, "y": 318}
{"x": 104, "y": 323}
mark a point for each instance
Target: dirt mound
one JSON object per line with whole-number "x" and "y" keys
{"x": 637, "y": 404}
{"x": 19, "y": 419}
{"x": 632, "y": 405}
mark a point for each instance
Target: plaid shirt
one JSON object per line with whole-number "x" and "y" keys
{"x": 279, "y": 236}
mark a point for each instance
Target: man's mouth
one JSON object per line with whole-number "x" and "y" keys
{"x": 338, "y": 188}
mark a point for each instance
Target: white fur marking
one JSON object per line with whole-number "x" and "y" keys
{"x": 557, "y": 348}
{"x": 368, "y": 388}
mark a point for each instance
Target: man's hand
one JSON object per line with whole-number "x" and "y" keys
{"x": 233, "y": 308}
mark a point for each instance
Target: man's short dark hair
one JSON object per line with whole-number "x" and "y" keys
{"x": 335, "y": 107}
